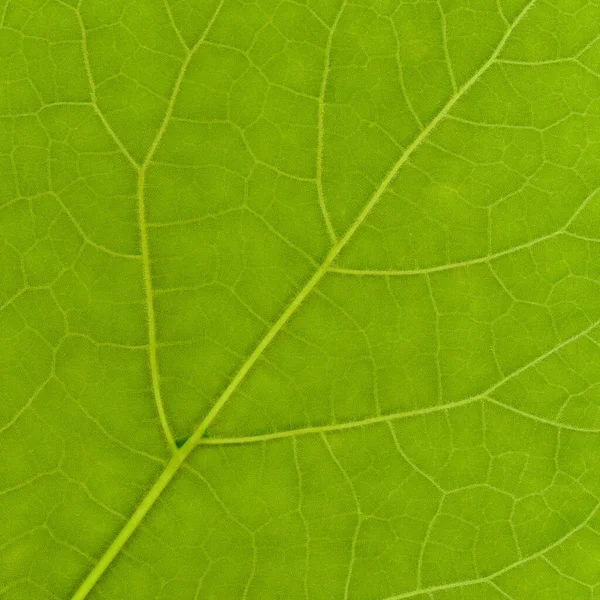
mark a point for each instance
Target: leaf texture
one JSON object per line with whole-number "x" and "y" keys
{"x": 299, "y": 299}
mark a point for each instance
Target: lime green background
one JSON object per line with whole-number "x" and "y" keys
{"x": 365, "y": 233}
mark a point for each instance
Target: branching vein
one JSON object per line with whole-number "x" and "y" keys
{"x": 180, "y": 456}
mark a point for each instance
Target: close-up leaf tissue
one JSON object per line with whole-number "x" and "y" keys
{"x": 299, "y": 299}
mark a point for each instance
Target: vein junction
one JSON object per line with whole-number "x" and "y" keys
{"x": 179, "y": 455}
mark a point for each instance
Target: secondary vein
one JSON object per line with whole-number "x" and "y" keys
{"x": 151, "y": 316}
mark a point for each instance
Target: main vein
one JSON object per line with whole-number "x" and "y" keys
{"x": 180, "y": 455}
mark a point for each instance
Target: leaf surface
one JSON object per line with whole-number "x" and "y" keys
{"x": 299, "y": 299}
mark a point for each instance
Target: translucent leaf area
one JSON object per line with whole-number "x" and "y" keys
{"x": 299, "y": 299}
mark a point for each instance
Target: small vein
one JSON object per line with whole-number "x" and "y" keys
{"x": 86, "y": 237}
{"x": 401, "y": 82}
{"x": 24, "y": 408}
{"x": 445, "y": 45}
{"x": 303, "y": 518}
{"x": 321, "y": 126}
{"x": 489, "y": 578}
{"x": 174, "y": 25}
{"x": 281, "y": 236}
{"x": 144, "y": 242}
{"x": 542, "y": 420}
{"x": 92, "y": 85}
{"x": 177, "y": 86}
{"x": 104, "y": 430}
{"x": 318, "y": 429}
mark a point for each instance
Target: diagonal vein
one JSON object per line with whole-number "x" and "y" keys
{"x": 177, "y": 87}
{"x": 495, "y": 574}
{"x": 341, "y": 244}
{"x": 181, "y": 455}
{"x": 92, "y": 84}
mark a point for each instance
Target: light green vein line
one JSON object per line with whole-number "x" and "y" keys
{"x": 489, "y": 578}
{"x": 85, "y": 236}
{"x": 445, "y": 44}
{"x": 447, "y": 267}
{"x": 145, "y": 247}
{"x": 341, "y": 244}
{"x": 92, "y": 84}
{"x": 177, "y": 86}
{"x": 484, "y": 395}
{"x": 543, "y": 420}
{"x": 321, "y": 126}
{"x": 151, "y": 316}
{"x": 181, "y": 455}
{"x": 359, "y": 514}
{"x": 131, "y": 525}
{"x": 318, "y": 429}
{"x": 174, "y": 25}
{"x": 564, "y": 230}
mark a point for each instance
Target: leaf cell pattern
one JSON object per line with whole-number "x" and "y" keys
{"x": 299, "y": 299}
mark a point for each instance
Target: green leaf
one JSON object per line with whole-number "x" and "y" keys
{"x": 299, "y": 299}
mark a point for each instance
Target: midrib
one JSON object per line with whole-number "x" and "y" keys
{"x": 180, "y": 456}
